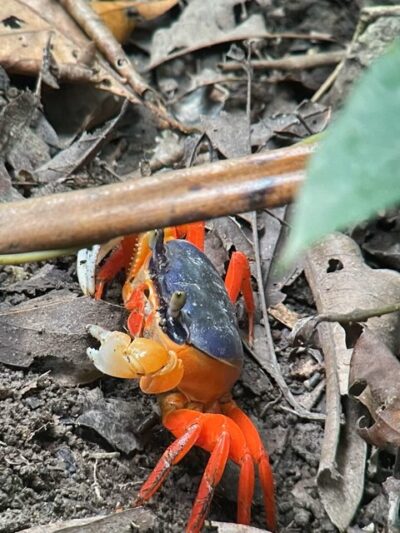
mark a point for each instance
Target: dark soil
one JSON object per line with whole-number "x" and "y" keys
{"x": 50, "y": 467}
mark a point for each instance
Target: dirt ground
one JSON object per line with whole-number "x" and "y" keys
{"x": 77, "y": 450}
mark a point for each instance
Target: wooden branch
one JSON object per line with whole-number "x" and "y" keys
{"x": 78, "y": 218}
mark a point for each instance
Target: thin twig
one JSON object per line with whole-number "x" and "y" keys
{"x": 279, "y": 219}
{"x": 295, "y": 62}
{"x": 93, "y": 26}
{"x": 227, "y": 37}
{"x": 330, "y": 80}
{"x": 105, "y": 41}
{"x": 357, "y": 315}
{"x": 95, "y": 484}
{"x": 269, "y": 362}
{"x": 307, "y": 326}
{"x": 104, "y": 455}
{"x": 396, "y": 466}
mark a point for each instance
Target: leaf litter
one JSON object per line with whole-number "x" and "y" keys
{"x": 51, "y": 427}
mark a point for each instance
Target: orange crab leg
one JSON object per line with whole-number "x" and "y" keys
{"x": 217, "y": 434}
{"x": 238, "y": 280}
{"x": 172, "y": 455}
{"x": 245, "y": 490}
{"x": 194, "y": 233}
{"x": 211, "y": 477}
{"x": 136, "y": 305}
{"x": 214, "y": 425}
{"x": 260, "y": 457}
{"x": 118, "y": 259}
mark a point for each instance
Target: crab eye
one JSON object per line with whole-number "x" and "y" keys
{"x": 177, "y": 301}
{"x": 156, "y": 241}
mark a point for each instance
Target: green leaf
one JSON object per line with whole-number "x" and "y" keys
{"x": 356, "y": 170}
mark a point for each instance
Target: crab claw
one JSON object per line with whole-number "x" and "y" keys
{"x": 121, "y": 356}
{"x": 88, "y": 260}
{"x": 224, "y": 438}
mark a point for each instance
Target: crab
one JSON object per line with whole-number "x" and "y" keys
{"x": 184, "y": 345}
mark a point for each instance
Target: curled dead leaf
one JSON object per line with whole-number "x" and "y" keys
{"x": 23, "y": 42}
{"x": 374, "y": 381}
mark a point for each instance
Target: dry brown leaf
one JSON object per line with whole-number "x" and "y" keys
{"x": 20, "y": 145}
{"x": 53, "y": 328}
{"x": 121, "y": 16}
{"x": 232, "y": 235}
{"x": 120, "y": 522}
{"x": 341, "y": 282}
{"x": 228, "y": 132}
{"x": 47, "y": 278}
{"x": 383, "y": 241}
{"x": 203, "y": 23}
{"x": 114, "y": 420}
{"x": 80, "y": 153}
{"x": 374, "y": 381}
{"x": 25, "y": 29}
{"x": 284, "y": 315}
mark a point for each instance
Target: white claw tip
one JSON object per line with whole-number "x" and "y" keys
{"x": 86, "y": 269}
{"x": 97, "y": 332}
{"x": 92, "y": 353}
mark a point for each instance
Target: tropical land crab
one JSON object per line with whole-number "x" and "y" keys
{"x": 184, "y": 345}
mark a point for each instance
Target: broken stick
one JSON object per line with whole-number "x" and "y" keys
{"x": 98, "y": 214}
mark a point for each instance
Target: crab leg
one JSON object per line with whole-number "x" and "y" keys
{"x": 217, "y": 434}
{"x": 172, "y": 455}
{"x": 260, "y": 457}
{"x": 194, "y": 233}
{"x": 119, "y": 259}
{"x": 238, "y": 280}
{"x": 211, "y": 477}
{"x": 136, "y": 305}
